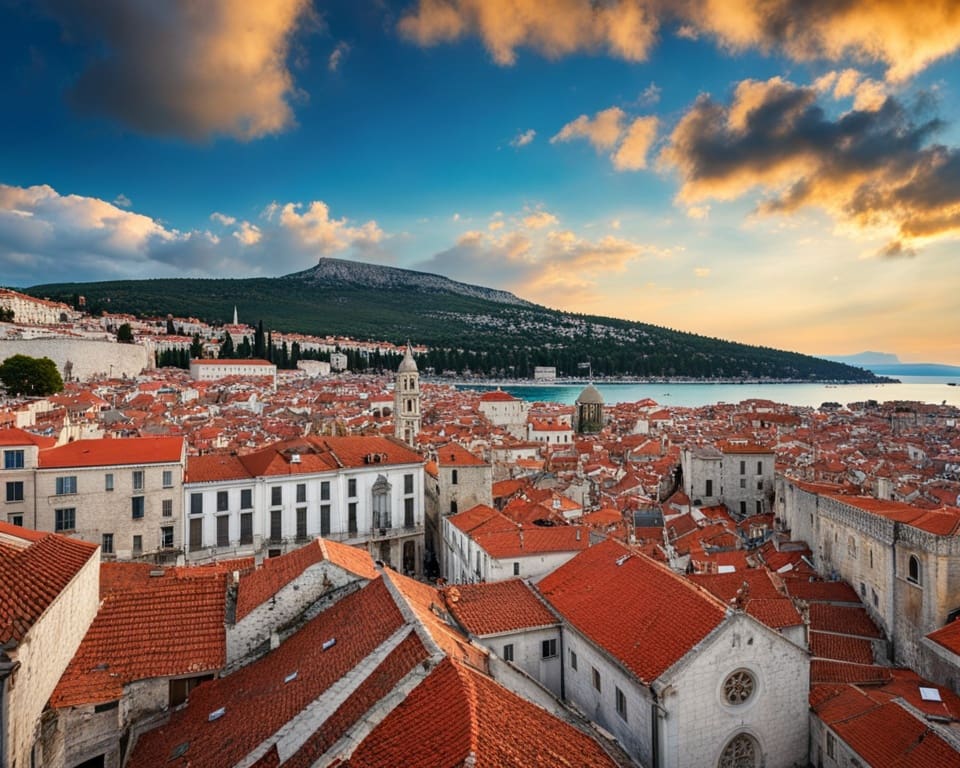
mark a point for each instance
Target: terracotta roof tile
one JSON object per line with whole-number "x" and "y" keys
{"x": 948, "y": 637}
{"x": 822, "y": 591}
{"x": 457, "y": 714}
{"x": 256, "y": 699}
{"x": 842, "y": 620}
{"x": 638, "y": 610}
{"x": 841, "y": 648}
{"x": 34, "y": 569}
{"x": 113, "y": 451}
{"x": 166, "y": 627}
{"x": 826, "y": 671}
{"x": 505, "y": 606}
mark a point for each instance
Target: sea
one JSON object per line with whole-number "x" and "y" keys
{"x": 935, "y": 390}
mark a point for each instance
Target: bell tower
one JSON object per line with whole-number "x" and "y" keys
{"x": 406, "y": 399}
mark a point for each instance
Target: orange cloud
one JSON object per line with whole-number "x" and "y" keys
{"x": 906, "y": 37}
{"x": 870, "y": 169}
{"x": 625, "y": 28}
{"x": 631, "y": 155}
{"x": 602, "y": 130}
{"x": 186, "y": 69}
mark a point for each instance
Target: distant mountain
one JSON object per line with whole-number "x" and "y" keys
{"x": 468, "y": 328}
{"x": 886, "y": 364}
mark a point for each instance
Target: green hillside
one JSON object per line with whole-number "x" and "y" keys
{"x": 467, "y": 327}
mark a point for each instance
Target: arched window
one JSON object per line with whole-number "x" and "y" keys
{"x": 741, "y": 752}
{"x": 381, "y": 503}
{"x": 913, "y": 569}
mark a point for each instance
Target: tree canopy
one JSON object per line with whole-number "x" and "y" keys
{"x": 24, "y": 375}
{"x": 125, "y": 334}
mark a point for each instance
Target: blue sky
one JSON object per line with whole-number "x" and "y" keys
{"x": 741, "y": 169}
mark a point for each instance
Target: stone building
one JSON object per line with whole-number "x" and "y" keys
{"x": 903, "y": 561}
{"x": 504, "y": 410}
{"x": 48, "y": 588}
{"x": 588, "y": 411}
{"x": 406, "y": 400}
{"x": 698, "y": 683}
{"x": 28, "y": 310}
{"x": 737, "y": 473}
{"x": 212, "y": 370}
{"x": 364, "y": 491}
{"x": 126, "y": 495}
{"x": 20, "y": 454}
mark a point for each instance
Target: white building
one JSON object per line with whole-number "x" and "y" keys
{"x": 28, "y": 310}
{"x": 504, "y": 410}
{"x": 211, "y": 370}
{"x": 406, "y": 400}
{"x": 365, "y": 491}
{"x": 545, "y": 373}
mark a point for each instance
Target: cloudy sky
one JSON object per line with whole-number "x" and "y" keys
{"x": 777, "y": 172}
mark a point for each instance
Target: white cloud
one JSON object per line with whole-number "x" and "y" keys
{"x": 337, "y": 56}
{"x": 539, "y": 219}
{"x": 631, "y": 155}
{"x": 122, "y": 200}
{"x": 44, "y": 233}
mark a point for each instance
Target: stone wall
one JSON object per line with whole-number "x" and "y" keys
{"x": 89, "y": 357}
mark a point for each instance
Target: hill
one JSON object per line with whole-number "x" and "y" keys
{"x": 468, "y": 327}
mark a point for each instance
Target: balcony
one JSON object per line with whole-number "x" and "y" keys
{"x": 402, "y": 532}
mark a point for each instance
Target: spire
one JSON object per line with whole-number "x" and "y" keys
{"x": 235, "y": 321}
{"x": 408, "y": 364}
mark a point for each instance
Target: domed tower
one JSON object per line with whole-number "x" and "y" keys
{"x": 588, "y": 416}
{"x": 406, "y": 399}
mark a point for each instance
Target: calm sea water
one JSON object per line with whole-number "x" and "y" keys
{"x": 925, "y": 389}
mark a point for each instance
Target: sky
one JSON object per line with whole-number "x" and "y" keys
{"x": 776, "y": 172}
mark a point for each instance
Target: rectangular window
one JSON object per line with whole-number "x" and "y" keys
{"x": 743, "y": 482}
{"x": 408, "y": 516}
{"x": 352, "y": 517}
{"x": 453, "y": 477}
{"x": 196, "y": 503}
{"x": 167, "y": 478}
{"x": 137, "y": 544}
{"x": 596, "y": 678}
{"x": 108, "y": 481}
{"x": 324, "y": 519}
{"x": 276, "y": 525}
{"x": 831, "y": 744}
{"x": 759, "y": 485}
{"x": 167, "y": 507}
{"x": 301, "y": 493}
{"x": 743, "y": 467}
{"x": 166, "y": 537}
{"x": 548, "y": 649}
{"x": 66, "y": 485}
{"x": 408, "y": 483}
{"x": 138, "y": 479}
{"x": 325, "y": 490}
{"x": 106, "y": 543}
{"x": 573, "y": 661}
{"x": 136, "y": 507}
{"x": 621, "y": 704}
{"x": 196, "y": 533}
{"x": 246, "y": 527}
{"x": 352, "y": 487}
{"x": 13, "y": 459}
{"x": 516, "y": 569}
{"x": 15, "y": 491}
{"x": 223, "y": 531}
{"x": 223, "y": 501}
{"x": 16, "y": 520}
{"x": 743, "y": 508}
{"x": 759, "y": 507}
{"x": 708, "y": 491}
{"x": 508, "y": 652}
{"x": 246, "y": 498}
{"x": 301, "y": 522}
{"x": 759, "y": 467}
{"x": 276, "y": 496}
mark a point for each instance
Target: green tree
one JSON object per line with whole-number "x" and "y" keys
{"x": 24, "y": 375}
{"x": 6, "y": 315}
{"x": 259, "y": 345}
{"x": 171, "y": 331}
{"x": 196, "y": 348}
{"x": 226, "y": 348}
{"x": 243, "y": 348}
{"x": 125, "y": 334}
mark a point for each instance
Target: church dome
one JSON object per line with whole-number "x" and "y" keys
{"x": 590, "y": 395}
{"x": 408, "y": 364}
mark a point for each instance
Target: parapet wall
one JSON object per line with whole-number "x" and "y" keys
{"x": 90, "y": 357}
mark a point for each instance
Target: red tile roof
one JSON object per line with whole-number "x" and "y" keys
{"x": 166, "y": 626}
{"x": 505, "y": 606}
{"x": 455, "y": 455}
{"x": 842, "y": 620}
{"x": 35, "y": 568}
{"x": 822, "y": 591}
{"x": 841, "y": 648}
{"x": 458, "y": 716}
{"x": 636, "y": 609}
{"x": 14, "y": 436}
{"x": 497, "y": 396}
{"x": 113, "y": 452}
{"x": 948, "y": 637}
{"x": 256, "y": 699}
{"x": 826, "y": 671}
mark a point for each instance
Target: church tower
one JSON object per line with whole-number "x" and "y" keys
{"x": 406, "y": 400}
